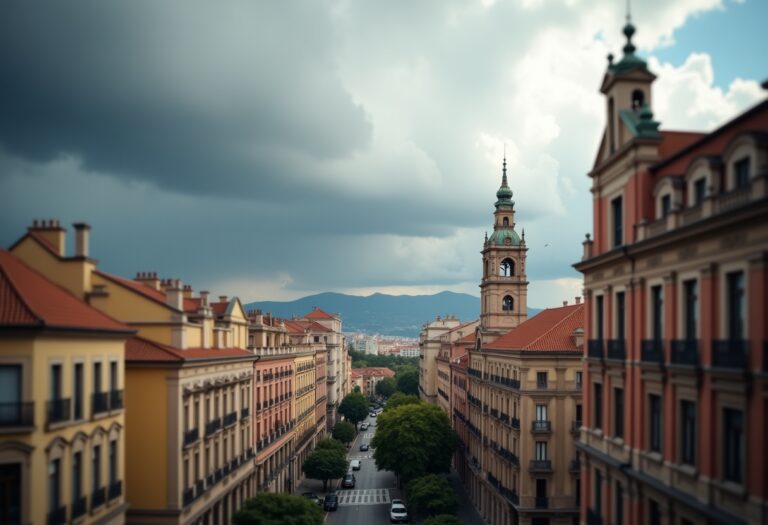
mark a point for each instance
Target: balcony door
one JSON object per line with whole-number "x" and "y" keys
{"x": 10, "y": 492}
{"x": 10, "y": 395}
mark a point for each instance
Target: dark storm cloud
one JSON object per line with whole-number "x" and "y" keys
{"x": 226, "y": 100}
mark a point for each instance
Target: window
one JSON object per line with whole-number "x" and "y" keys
{"x": 54, "y": 485}
{"x": 541, "y": 412}
{"x": 599, "y": 317}
{"x": 541, "y": 379}
{"x": 507, "y": 303}
{"x": 654, "y": 514}
{"x": 55, "y": 382}
{"x": 618, "y": 511}
{"x": 616, "y": 215}
{"x": 637, "y": 102}
{"x": 10, "y": 394}
{"x": 77, "y": 391}
{"x": 598, "y": 509}
{"x": 618, "y": 412}
{"x": 620, "y": 324}
{"x": 77, "y": 476}
{"x": 541, "y": 450}
{"x": 578, "y": 379}
{"x": 690, "y": 291}
{"x": 733, "y": 450}
{"x": 699, "y": 191}
{"x": 113, "y": 462}
{"x": 578, "y": 413}
{"x": 96, "y": 377}
{"x": 657, "y": 313}
{"x": 654, "y": 413}
{"x": 741, "y": 173}
{"x": 96, "y": 464}
{"x": 688, "y": 432}
{"x": 505, "y": 221}
{"x": 598, "y": 407}
{"x": 507, "y": 268}
{"x": 736, "y": 305}
{"x": 666, "y": 205}
{"x": 113, "y": 376}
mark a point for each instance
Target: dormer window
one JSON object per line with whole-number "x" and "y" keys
{"x": 666, "y": 205}
{"x": 699, "y": 191}
{"x": 741, "y": 173}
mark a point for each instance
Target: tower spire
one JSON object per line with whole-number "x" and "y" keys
{"x": 504, "y": 169}
{"x": 504, "y": 195}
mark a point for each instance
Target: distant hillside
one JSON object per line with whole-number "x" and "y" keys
{"x": 400, "y": 315}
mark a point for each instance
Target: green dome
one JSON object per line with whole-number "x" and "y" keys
{"x": 499, "y": 237}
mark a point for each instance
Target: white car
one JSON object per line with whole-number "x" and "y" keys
{"x": 397, "y": 512}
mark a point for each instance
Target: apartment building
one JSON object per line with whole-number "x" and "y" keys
{"x": 453, "y": 343}
{"x": 188, "y": 380}
{"x": 429, "y": 348}
{"x": 367, "y": 378}
{"x": 62, "y": 416}
{"x": 460, "y": 413}
{"x": 676, "y": 300}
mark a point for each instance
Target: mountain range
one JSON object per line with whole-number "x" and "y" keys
{"x": 396, "y": 315}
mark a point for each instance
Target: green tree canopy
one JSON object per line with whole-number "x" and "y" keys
{"x": 430, "y": 495}
{"x": 386, "y": 387}
{"x": 442, "y": 519}
{"x": 354, "y": 407}
{"x": 344, "y": 432}
{"x": 393, "y": 362}
{"x": 332, "y": 444}
{"x": 399, "y": 399}
{"x": 278, "y": 509}
{"x": 408, "y": 381}
{"x": 414, "y": 440}
{"x": 356, "y": 389}
{"x": 325, "y": 464}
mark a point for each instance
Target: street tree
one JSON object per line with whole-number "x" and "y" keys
{"x": 414, "y": 440}
{"x": 386, "y": 387}
{"x": 354, "y": 407}
{"x": 331, "y": 444}
{"x": 431, "y": 495}
{"x": 278, "y": 509}
{"x": 442, "y": 519}
{"x": 344, "y": 432}
{"x": 325, "y": 464}
{"x": 357, "y": 389}
{"x": 408, "y": 381}
{"x": 399, "y": 399}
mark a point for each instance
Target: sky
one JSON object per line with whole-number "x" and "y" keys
{"x": 272, "y": 150}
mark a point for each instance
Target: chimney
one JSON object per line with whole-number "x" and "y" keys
{"x": 222, "y": 298}
{"x": 565, "y": 303}
{"x": 187, "y": 291}
{"x": 174, "y": 294}
{"x": 204, "y": 298}
{"x": 52, "y": 232}
{"x": 578, "y": 337}
{"x": 578, "y": 299}
{"x": 148, "y": 279}
{"x": 82, "y": 239}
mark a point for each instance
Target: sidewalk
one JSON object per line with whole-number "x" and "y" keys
{"x": 466, "y": 513}
{"x": 316, "y": 486}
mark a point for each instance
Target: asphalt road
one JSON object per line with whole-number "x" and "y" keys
{"x": 368, "y": 503}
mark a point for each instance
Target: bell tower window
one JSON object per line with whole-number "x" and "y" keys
{"x": 638, "y": 98}
{"x": 505, "y": 221}
{"x": 507, "y": 303}
{"x": 507, "y": 268}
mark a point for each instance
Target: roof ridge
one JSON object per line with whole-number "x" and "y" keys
{"x": 556, "y": 325}
{"x": 16, "y": 292}
{"x": 134, "y": 286}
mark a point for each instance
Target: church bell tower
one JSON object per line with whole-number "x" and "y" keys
{"x": 504, "y": 288}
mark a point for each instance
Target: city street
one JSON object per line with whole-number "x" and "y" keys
{"x": 368, "y": 502}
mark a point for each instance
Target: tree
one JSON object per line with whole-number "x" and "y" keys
{"x": 442, "y": 519}
{"x": 386, "y": 387}
{"x": 278, "y": 509}
{"x": 430, "y": 495}
{"x": 399, "y": 399}
{"x": 414, "y": 440}
{"x": 354, "y": 407}
{"x": 331, "y": 444}
{"x": 408, "y": 381}
{"x": 356, "y": 389}
{"x": 325, "y": 464}
{"x": 344, "y": 432}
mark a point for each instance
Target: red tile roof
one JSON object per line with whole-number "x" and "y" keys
{"x": 674, "y": 141}
{"x": 375, "y": 371}
{"x": 140, "y": 349}
{"x": 191, "y": 304}
{"x": 317, "y": 313}
{"x": 300, "y": 326}
{"x": 467, "y": 339}
{"x": 28, "y": 299}
{"x": 219, "y": 308}
{"x": 550, "y": 330}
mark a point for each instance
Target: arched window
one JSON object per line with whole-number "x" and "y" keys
{"x": 505, "y": 221}
{"x": 638, "y": 98}
{"x": 507, "y": 268}
{"x": 507, "y": 303}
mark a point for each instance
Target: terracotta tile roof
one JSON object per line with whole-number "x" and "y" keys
{"x": 467, "y": 339}
{"x": 549, "y": 330}
{"x": 299, "y": 326}
{"x": 191, "y": 304}
{"x": 378, "y": 371}
{"x": 27, "y": 298}
{"x": 460, "y": 327}
{"x": 355, "y": 374}
{"x": 674, "y": 141}
{"x": 317, "y": 313}
{"x": 140, "y": 349}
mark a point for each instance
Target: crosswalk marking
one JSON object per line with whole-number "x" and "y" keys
{"x": 363, "y": 497}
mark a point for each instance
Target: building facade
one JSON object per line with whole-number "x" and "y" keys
{"x": 454, "y": 343}
{"x": 429, "y": 348}
{"x": 676, "y": 282}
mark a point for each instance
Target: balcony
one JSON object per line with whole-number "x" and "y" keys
{"x": 595, "y": 349}
{"x": 541, "y": 427}
{"x": 230, "y": 419}
{"x": 652, "y": 351}
{"x": 574, "y": 466}
{"x": 244, "y": 412}
{"x": 188, "y": 496}
{"x": 191, "y": 436}
{"x": 58, "y": 516}
{"x": 212, "y": 427}
{"x": 684, "y": 352}
{"x": 18, "y": 414}
{"x": 58, "y": 410}
{"x": 542, "y": 503}
{"x": 79, "y": 507}
{"x": 115, "y": 399}
{"x": 199, "y": 488}
{"x": 99, "y": 403}
{"x": 511, "y": 495}
{"x": 576, "y": 426}
{"x": 617, "y": 349}
{"x": 540, "y": 465}
{"x": 516, "y": 423}
{"x": 98, "y": 497}
{"x": 730, "y": 353}
{"x": 115, "y": 490}
{"x": 210, "y": 480}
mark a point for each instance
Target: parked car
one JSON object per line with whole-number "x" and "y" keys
{"x": 331, "y": 502}
{"x": 372, "y": 414}
{"x": 312, "y": 496}
{"x": 364, "y": 426}
{"x": 364, "y": 447}
{"x": 349, "y": 481}
{"x": 397, "y": 512}
{"x": 354, "y": 464}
